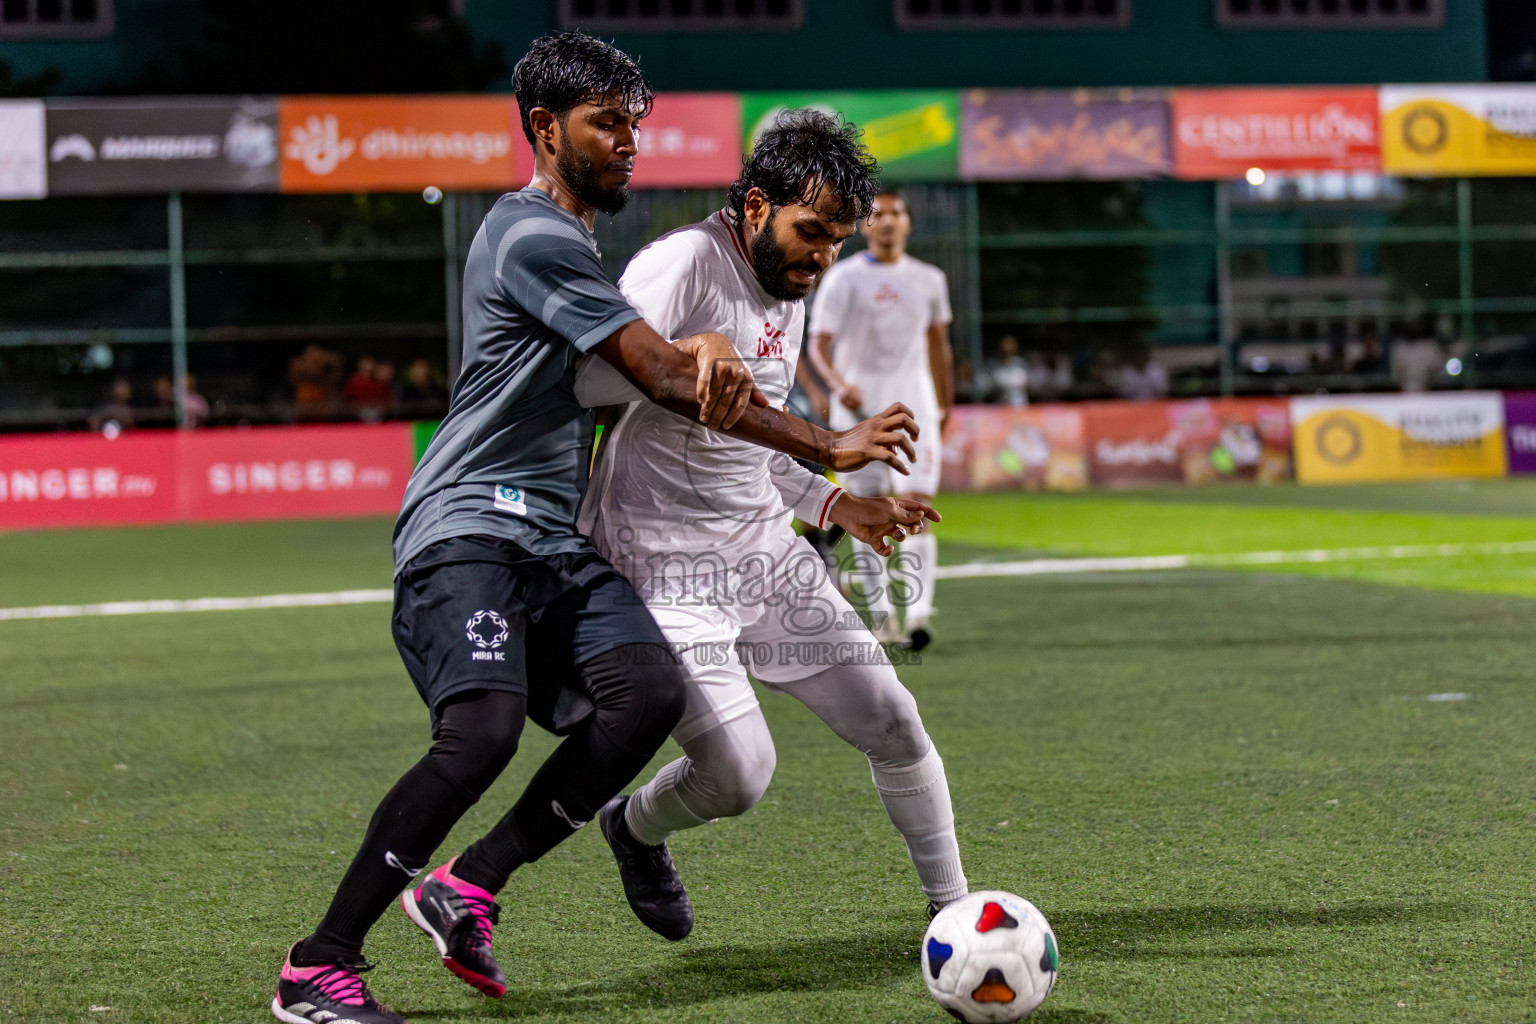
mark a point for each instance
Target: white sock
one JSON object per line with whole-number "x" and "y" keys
{"x": 919, "y": 559}
{"x": 870, "y": 575}
{"x": 916, "y": 797}
{"x": 656, "y": 809}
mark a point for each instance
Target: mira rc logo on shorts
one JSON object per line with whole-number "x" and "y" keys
{"x": 487, "y": 631}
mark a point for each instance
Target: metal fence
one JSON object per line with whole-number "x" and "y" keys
{"x": 1222, "y": 280}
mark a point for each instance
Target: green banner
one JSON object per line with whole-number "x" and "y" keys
{"x": 914, "y": 134}
{"x": 421, "y": 433}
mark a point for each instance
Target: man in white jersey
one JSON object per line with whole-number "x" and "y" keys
{"x": 880, "y": 334}
{"x": 701, "y": 524}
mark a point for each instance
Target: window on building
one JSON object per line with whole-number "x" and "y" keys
{"x": 55, "y": 19}
{"x": 681, "y": 15}
{"x": 949, "y": 14}
{"x": 1330, "y": 13}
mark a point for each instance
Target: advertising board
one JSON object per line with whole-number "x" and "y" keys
{"x": 1010, "y": 135}
{"x": 1222, "y": 133}
{"x": 204, "y": 476}
{"x": 1365, "y": 438}
{"x": 690, "y": 140}
{"x": 1002, "y": 448}
{"x": 1195, "y": 441}
{"x": 1451, "y": 130}
{"x": 915, "y": 134}
{"x": 284, "y": 473}
{"x": 86, "y": 480}
{"x": 133, "y": 146}
{"x": 23, "y": 150}
{"x": 396, "y": 143}
{"x": 1520, "y": 430}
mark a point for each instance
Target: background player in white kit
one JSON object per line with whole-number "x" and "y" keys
{"x": 701, "y": 524}
{"x": 880, "y": 334}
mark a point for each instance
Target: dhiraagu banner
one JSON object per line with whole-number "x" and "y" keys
{"x": 1451, "y": 130}
{"x": 914, "y": 134}
{"x": 1364, "y": 438}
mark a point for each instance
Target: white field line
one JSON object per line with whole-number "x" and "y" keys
{"x": 1149, "y": 563}
{"x": 201, "y": 604}
{"x": 1034, "y": 567}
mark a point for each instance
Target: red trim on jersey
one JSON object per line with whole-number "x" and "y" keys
{"x": 826, "y": 506}
{"x": 735, "y": 238}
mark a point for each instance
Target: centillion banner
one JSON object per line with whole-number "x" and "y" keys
{"x": 1453, "y": 130}
{"x": 1370, "y": 438}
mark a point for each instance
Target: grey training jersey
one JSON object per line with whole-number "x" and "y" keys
{"x": 511, "y": 457}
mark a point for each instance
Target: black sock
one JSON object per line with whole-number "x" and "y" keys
{"x": 476, "y": 738}
{"x": 637, "y": 695}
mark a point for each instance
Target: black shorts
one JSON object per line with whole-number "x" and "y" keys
{"x": 481, "y": 613}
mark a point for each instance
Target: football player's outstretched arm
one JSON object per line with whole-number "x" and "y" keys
{"x": 817, "y": 502}
{"x": 704, "y": 378}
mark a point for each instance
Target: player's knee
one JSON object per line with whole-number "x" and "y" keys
{"x": 663, "y": 697}
{"x": 896, "y": 737}
{"x": 476, "y": 750}
{"x": 639, "y": 692}
{"x": 737, "y": 785}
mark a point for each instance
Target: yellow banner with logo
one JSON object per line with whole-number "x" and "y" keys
{"x": 1450, "y": 130}
{"x": 1368, "y": 438}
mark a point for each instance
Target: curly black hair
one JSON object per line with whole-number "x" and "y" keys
{"x": 804, "y": 153}
{"x": 565, "y": 69}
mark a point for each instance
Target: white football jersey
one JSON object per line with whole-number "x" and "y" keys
{"x": 666, "y": 489}
{"x": 878, "y": 315}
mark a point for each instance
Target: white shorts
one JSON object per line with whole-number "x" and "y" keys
{"x": 778, "y": 622}
{"x": 877, "y": 479}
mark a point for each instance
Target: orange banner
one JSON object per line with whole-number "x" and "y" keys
{"x": 1003, "y": 448}
{"x": 1195, "y": 441}
{"x": 396, "y": 143}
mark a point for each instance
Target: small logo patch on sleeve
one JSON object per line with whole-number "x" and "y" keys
{"x": 510, "y": 499}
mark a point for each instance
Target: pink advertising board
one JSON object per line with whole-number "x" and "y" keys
{"x": 203, "y": 476}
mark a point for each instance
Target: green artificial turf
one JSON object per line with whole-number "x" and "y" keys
{"x": 1290, "y": 518}
{"x": 1227, "y": 790}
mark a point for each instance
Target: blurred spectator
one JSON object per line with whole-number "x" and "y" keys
{"x": 1415, "y": 362}
{"x": 1050, "y": 376}
{"x": 1062, "y": 378}
{"x": 1336, "y": 360}
{"x": 1371, "y": 359}
{"x": 370, "y": 391}
{"x": 421, "y": 390}
{"x": 315, "y": 373}
{"x": 1143, "y": 378}
{"x": 1009, "y": 373}
{"x": 1039, "y": 376}
{"x": 114, "y": 414}
{"x": 165, "y": 401}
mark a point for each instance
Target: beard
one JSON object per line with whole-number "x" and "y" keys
{"x": 768, "y": 264}
{"x": 582, "y": 179}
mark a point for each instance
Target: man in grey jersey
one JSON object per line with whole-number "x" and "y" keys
{"x": 503, "y": 611}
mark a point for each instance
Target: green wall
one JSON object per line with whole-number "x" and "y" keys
{"x": 854, "y": 44}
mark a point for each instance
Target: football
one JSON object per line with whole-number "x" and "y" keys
{"x": 990, "y": 957}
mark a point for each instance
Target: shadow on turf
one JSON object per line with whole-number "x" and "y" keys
{"x": 1144, "y": 933}
{"x": 700, "y": 975}
{"x": 874, "y": 957}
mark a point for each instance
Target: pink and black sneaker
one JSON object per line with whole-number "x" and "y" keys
{"x": 328, "y": 992}
{"x": 458, "y": 917}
